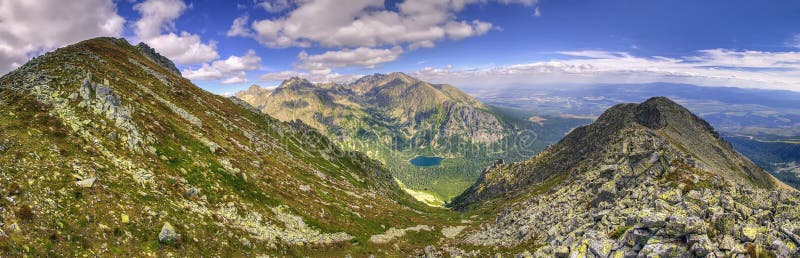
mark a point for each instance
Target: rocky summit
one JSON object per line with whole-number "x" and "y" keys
{"x": 644, "y": 180}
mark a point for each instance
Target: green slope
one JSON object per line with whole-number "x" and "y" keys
{"x": 101, "y": 147}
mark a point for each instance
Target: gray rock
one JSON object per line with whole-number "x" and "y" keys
{"x": 663, "y": 249}
{"x": 700, "y": 245}
{"x": 781, "y": 249}
{"x": 167, "y": 234}
{"x": 158, "y": 59}
{"x": 637, "y": 237}
{"x": 192, "y": 192}
{"x": 654, "y": 220}
{"x": 86, "y": 183}
{"x": 430, "y": 252}
{"x": 561, "y": 251}
{"x": 525, "y": 254}
{"x": 749, "y": 233}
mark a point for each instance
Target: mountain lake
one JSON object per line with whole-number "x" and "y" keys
{"x": 425, "y": 161}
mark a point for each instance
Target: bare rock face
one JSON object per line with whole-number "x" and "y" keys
{"x": 157, "y": 58}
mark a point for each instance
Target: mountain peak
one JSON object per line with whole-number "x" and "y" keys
{"x": 656, "y": 129}
{"x": 296, "y": 82}
{"x": 157, "y": 58}
{"x": 381, "y": 77}
{"x": 254, "y": 87}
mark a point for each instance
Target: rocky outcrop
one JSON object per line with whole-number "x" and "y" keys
{"x": 471, "y": 124}
{"x": 157, "y": 58}
{"x": 102, "y": 100}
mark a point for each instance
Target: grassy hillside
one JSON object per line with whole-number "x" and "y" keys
{"x": 101, "y": 149}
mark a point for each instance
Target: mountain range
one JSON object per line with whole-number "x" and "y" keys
{"x": 394, "y": 118}
{"x": 105, "y": 150}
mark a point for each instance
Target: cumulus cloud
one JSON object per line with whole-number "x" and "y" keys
{"x": 185, "y": 48}
{"x": 157, "y": 17}
{"x": 714, "y": 67}
{"x": 366, "y": 23}
{"x": 239, "y": 27}
{"x": 275, "y": 6}
{"x": 233, "y": 69}
{"x": 361, "y": 57}
{"x": 30, "y": 27}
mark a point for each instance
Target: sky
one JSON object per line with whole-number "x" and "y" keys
{"x": 226, "y": 46}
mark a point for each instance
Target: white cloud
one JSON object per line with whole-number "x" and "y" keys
{"x": 185, "y": 48}
{"x": 361, "y": 57}
{"x": 34, "y": 26}
{"x": 367, "y": 23}
{"x": 715, "y": 67}
{"x": 313, "y": 77}
{"x": 239, "y": 78}
{"x": 794, "y": 41}
{"x": 275, "y": 6}
{"x": 239, "y": 27}
{"x": 159, "y": 16}
{"x": 233, "y": 69}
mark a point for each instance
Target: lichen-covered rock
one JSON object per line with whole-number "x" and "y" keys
{"x": 700, "y": 245}
{"x": 393, "y": 233}
{"x": 451, "y": 232}
{"x": 86, "y": 183}
{"x": 167, "y": 234}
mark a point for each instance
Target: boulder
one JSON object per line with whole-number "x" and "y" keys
{"x": 167, "y": 234}
{"x": 654, "y": 220}
{"x": 661, "y": 248}
{"x": 700, "y": 245}
{"x": 561, "y": 251}
{"x": 749, "y": 233}
{"x": 86, "y": 183}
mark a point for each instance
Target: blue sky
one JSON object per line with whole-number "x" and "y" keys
{"x": 462, "y": 42}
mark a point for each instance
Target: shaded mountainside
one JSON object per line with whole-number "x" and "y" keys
{"x": 104, "y": 150}
{"x": 395, "y": 117}
{"x": 779, "y": 155}
{"x": 647, "y": 180}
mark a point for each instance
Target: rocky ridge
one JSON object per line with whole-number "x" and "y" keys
{"x": 626, "y": 187}
{"x": 105, "y": 151}
{"x": 158, "y": 59}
